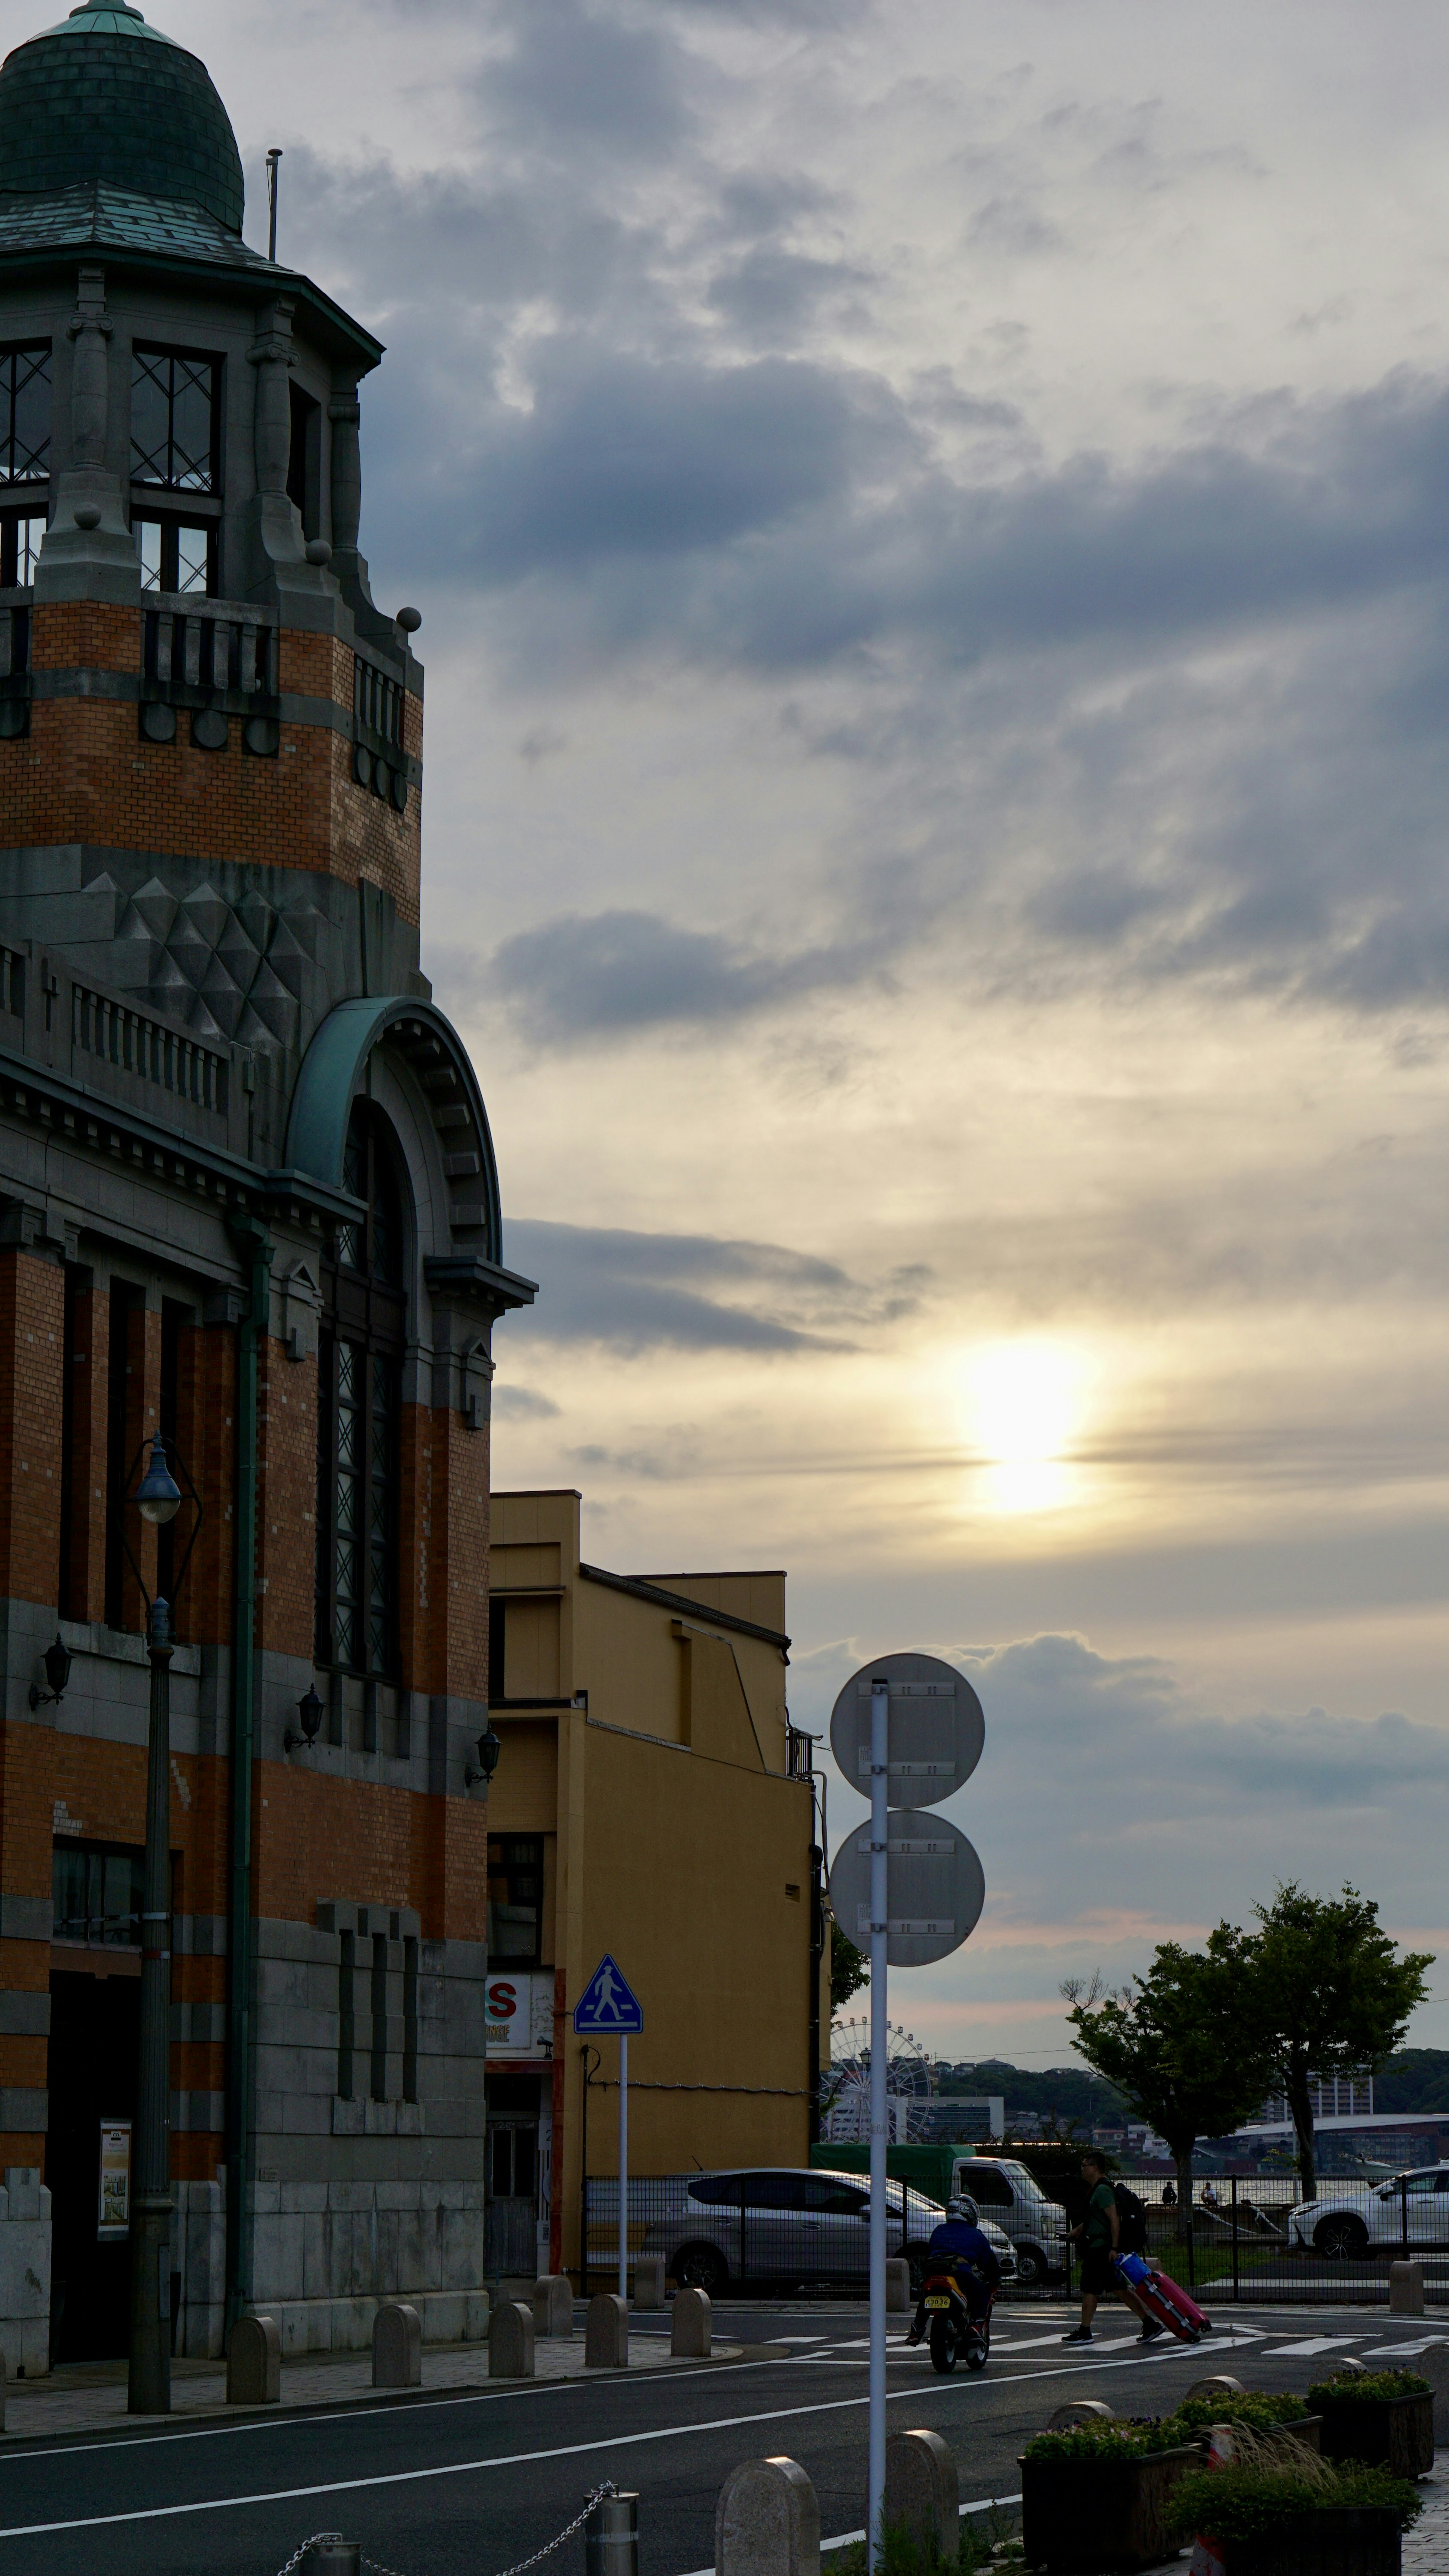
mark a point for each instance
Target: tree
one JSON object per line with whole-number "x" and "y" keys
{"x": 1178, "y": 2047}
{"x": 849, "y": 1968}
{"x": 1330, "y": 1993}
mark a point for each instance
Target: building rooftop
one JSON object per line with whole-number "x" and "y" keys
{"x": 103, "y": 98}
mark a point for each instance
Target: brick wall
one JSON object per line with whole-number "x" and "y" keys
{"x": 85, "y": 774}
{"x": 286, "y": 1500}
{"x": 88, "y": 1362}
{"x": 32, "y": 1339}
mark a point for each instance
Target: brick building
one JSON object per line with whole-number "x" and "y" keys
{"x": 247, "y": 1195}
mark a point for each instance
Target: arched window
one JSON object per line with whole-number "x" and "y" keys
{"x": 359, "y": 1414}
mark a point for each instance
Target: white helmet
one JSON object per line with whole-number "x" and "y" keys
{"x": 964, "y": 2207}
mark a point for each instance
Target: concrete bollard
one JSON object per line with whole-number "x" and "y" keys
{"x": 899, "y": 2301}
{"x": 606, "y": 2332}
{"x": 254, "y": 2363}
{"x": 1218, "y": 2386}
{"x": 767, "y": 2521}
{"x": 329, "y": 2557}
{"x": 1406, "y": 2289}
{"x": 691, "y": 2325}
{"x": 923, "y": 2491}
{"x": 1082, "y": 2410}
{"x": 649, "y": 2281}
{"x": 553, "y": 2306}
{"x": 510, "y": 2341}
{"x": 397, "y": 2346}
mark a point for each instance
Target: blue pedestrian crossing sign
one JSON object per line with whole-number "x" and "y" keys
{"x": 607, "y": 2004}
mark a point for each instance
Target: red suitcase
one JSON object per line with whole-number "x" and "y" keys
{"x": 1163, "y": 2301}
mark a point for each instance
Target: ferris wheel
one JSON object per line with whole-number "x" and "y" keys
{"x": 845, "y": 2091}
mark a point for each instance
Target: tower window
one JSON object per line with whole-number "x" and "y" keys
{"x": 173, "y": 420}
{"x": 174, "y": 556}
{"x": 359, "y": 1414}
{"x": 377, "y": 701}
{"x": 24, "y": 415}
{"x": 20, "y": 536}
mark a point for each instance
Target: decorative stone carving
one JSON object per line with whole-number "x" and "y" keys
{"x": 90, "y": 328}
{"x": 248, "y": 973}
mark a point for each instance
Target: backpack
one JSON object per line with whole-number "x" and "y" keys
{"x": 1131, "y": 2220}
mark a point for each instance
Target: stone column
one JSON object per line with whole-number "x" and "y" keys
{"x": 276, "y": 545}
{"x": 345, "y": 413}
{"x": 90, "y": 329}
{"x": 88, "y": 551}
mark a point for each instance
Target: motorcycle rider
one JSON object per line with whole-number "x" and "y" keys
{"x": 957, "y": 2246}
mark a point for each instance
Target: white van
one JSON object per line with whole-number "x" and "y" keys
{"x": 1003, "y": 2190}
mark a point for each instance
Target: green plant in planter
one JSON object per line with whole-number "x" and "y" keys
{"x": 1367, "y": 2387}
{"x": 901, "y": 2553}
{"x": 1125, "y": 2438}
{"x": 1260, "y": 2408}
{"x": 1234, "y": 2503}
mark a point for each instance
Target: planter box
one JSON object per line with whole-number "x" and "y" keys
{"x": 1082, "y": 2517}
{"x": 1358, "y": 2540}
{"x": 1388, "y": 2432}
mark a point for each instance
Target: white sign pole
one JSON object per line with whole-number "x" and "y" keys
{"x": 623, "y": 2164}
{"x": 880, "y": 1702}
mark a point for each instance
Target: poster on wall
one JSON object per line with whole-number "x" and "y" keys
{"x": 113, "y": 2211}
{"x": 519, "y": 2014}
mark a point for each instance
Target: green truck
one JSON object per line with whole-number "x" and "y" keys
{"x": 1001, "y": 2187}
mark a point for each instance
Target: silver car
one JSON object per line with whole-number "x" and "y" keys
{"x": 779, "y": 2223}
{"x": 1352, "y": 2219}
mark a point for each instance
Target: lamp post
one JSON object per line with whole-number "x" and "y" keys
{"x": 158, "y": 1499}
{"x": 480, "y": 1776}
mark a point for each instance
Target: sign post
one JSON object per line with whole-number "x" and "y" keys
{"x": 913, "y": 1726}
{"x": 608, "y": 2004}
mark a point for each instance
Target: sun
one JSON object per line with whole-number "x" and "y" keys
{"x": 1023, "y": 1402}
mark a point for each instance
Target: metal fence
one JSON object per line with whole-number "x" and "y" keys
{"x": 1249, "y": 2241}
{"x": 783, "y": 2233}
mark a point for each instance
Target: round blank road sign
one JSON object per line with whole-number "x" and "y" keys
{"x": 936, "y": 1887}
{"x": 935, "y": 1733}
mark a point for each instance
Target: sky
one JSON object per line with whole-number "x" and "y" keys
{"x": 930, "y": 531}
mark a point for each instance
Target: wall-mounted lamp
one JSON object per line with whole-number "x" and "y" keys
{"x": 309, "y": 1712}
{"x": 57, "y": 1672}
{"x": 489, "y": 1748}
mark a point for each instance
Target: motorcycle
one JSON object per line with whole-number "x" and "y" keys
{"x": 954, "y": 2333}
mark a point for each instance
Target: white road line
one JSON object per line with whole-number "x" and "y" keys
{"x": 562, "y": 2451}
{"x": 848, "y": 2539}
{"x": 1402, "y": 2351}
{"x": 1315, "y": 2343}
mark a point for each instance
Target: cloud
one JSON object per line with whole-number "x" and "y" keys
{"x": 575, "y": 77}
{"x": 522, "y": 1404}
{"x": 1112, "y": 1809}
{"x": 642, "y": 1291}
{"x": 587, "y": 975}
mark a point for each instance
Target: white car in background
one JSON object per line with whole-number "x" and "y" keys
{"x": 1349, "y": 2220}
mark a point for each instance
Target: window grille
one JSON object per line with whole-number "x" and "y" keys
{"x": 173, "y": 420}
{"x": 20, "y": 536}
{"x": 175, "y": 555}
{"x": 136, "y": 1044}
{"x": 25, "y": 415}
{"x": 377, "y": 701}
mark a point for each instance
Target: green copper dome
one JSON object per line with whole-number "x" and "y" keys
{"x": 103, "y": 97}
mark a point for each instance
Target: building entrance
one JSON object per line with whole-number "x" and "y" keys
{"x": 95, "y": 2027}
{"x": 510, "y": 2244}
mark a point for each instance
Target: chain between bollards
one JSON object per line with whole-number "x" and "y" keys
{"x": 610, "y": 2553}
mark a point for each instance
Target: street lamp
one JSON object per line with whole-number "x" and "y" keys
{"x": 489, "y": 1748}
{"x": 309, "y": 1715}
{"x": 56, "y": 1660}
{"x": 158, "y": 1499}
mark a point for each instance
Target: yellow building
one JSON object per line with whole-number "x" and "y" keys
{"x": 653, "y": 1801}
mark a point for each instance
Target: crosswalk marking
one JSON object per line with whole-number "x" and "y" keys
{"x": 1315, "y": 2343}
{"x": 1403, "y": 2351}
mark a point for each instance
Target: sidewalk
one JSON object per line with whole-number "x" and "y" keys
{"x": 90, "y": 2397}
